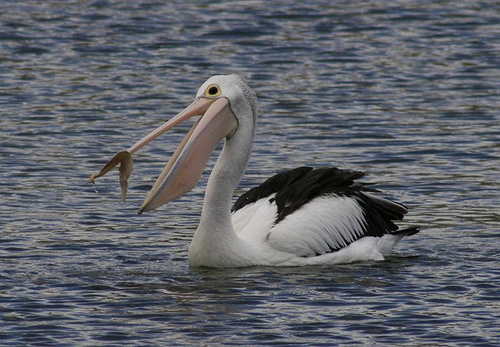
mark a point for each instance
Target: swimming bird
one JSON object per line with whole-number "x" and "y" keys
{"x": 304, "y": 216}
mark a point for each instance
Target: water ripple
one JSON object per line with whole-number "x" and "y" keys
{"x": 407, "y": 92}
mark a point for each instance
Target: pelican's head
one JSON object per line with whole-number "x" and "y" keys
{"x": 241, "y": 98}
{"x": 226, "y": 105}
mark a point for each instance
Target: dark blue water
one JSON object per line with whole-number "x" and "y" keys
{"x": 406, "y": 90}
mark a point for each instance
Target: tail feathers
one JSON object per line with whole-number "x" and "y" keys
{"x": 387, "y": 242}
{"x": 407, "y": 232}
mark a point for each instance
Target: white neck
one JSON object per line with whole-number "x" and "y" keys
{"x": 222, "y": 182}
{"x": 215, "y": 243}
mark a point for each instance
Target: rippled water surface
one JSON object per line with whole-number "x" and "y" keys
{"x": 406, "y": 90}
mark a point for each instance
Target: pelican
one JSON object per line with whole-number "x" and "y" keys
{"x": 303, "y": 216}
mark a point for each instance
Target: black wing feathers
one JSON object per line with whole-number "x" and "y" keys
{"x": 295, "y": 188}
{"x": 270, "y": 186}
{"x": 314, "y": 183}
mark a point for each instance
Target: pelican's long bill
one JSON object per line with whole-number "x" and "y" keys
{"x": 186, "y": 165}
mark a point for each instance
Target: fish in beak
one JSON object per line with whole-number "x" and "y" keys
{"x": 186, "y": 165}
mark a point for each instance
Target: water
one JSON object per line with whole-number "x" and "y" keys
{"x": 405, "y": 90}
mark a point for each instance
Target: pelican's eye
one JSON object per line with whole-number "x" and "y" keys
{"x": 212, "y": 90}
